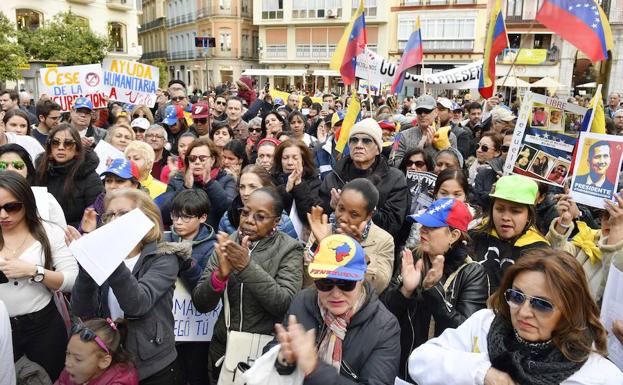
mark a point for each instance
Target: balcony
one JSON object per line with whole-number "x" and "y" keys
{"x": 182, "y": 55}
{"x": 154, "y": 55}
{"x": 182, "y": 19}
{"x": 276, "y": 51}
{"x": 159, "y": 22}
{"x": 272, "y": 15}
{"x": 218, "y": 11}
{"x": 423, "y": 3}
{"x": 120, "y": 5}
{"x": 529, "y": 57}
{"x": 432, "y": 46}
{"x": 81, "y": 1}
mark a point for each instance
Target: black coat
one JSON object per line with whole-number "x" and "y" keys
{"x": 371, "y": 348}
{"x": 304, "y": 194}
{"x": 391, "y": 210}
{"x": 87, "y": 185}
{"x": 467, "y": 293}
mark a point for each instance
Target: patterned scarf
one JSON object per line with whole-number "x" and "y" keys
{"x": 330, "y": 349}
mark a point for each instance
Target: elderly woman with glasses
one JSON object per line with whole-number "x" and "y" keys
{"x": 259, "y": 267}
{"x": 542, "y": 327}
{"x": 338, "y": 332}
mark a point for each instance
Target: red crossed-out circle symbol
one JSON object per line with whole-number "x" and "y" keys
{"x": 92, "y": 79}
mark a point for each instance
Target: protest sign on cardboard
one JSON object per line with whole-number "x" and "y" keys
{"x": 596, "y": 168}
{"x": 189, "y": 323}
{"x": 544, "y": 137}
{"x": 65, "y": 84}
{"x": 130, "y": 82}
{"x": 421, "y": 185}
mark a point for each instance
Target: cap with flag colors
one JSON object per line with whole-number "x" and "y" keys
{"x": 413, "y": 55}
{"x": 581, "y": 22}
{"x": 444, "y": 212}
{"x": 352, "y": 43}
{"x": 353, "y": 115}
{"x": 339, "y": 257}
{"x": 495, "y": 43}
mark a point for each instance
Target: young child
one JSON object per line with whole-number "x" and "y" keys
{"x": 95, "y": 355}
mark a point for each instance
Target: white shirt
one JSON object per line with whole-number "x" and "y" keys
{"x": 113, "y": 305}
{"x": 22, "y": 296}
{"x": 30, "y": 144}
{"x": 48, "y": 207}
{"x": 6, "y": 349}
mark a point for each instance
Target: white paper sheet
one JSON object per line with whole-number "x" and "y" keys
{"x": 398, "y": 381}
{"x": 105, "y": 152}
{"x": 101, "y": 251}
{"x": 611, "y": 310}
{"x": 296, "y": 221}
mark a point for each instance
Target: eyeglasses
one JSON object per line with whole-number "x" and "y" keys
{"x": 328, "y": 284}
{"x": 201, "y": 158}
{"x": 12, "y": 207}
{"x": 88, "y": 335}
{"x": 516, "y": 298}
{"x": 354, "y": 140}
{"x": 504, "y": 148}
{"x": 416, "y": 163}
{"x": 482, "y": 147}
{"x": 110, "y": 215}
{"x": 178, "y": 98}
{"x": 200, "y": 120}
{"x": 256, "y": 129}
{"x": 257, "y": 217}
{"x": 139, "y": 130}
{"x": 423, "y": 112}
{"x": 55, "y": 118}
{"x": 184, "y": 218}
{"x": 154, "y": 136}
{"x": 67, "y": 143}
{"x": 136, "y": 116}
{"x": 220, "y": 103}
{"x": 17, "y": 164}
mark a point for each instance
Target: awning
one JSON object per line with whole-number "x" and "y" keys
{"x": 546, "y": 82}
{"x": 587, "y": 85}
{"x": 274, "y": 72}
{"x": 512, "y": 81}
{"x": 326, "y": 73}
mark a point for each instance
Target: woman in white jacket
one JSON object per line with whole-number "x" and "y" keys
{"x": 543, "y": 328}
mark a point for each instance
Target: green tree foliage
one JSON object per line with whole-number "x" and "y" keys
{"x": 164, "y": 72}
{"x": 68, "y": 39}
{"x": 11, "y": 52}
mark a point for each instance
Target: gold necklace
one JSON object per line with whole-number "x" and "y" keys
{"x": 13, "y": 252}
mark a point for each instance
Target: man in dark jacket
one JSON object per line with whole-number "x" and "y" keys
{"x": 365, "y": 144}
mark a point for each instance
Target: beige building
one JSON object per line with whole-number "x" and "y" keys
{"x": 152, "y": 33}
{"x": 298, "y": 38}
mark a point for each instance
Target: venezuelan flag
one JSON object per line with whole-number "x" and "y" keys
{"x": 412, "y": 56}
{"x": 494, "y": 45}
{"x": 596, "y": 111}
{"x": 352, "y": 43}
{"x": 581, "y": 22}
{"x": 353, "y": 115}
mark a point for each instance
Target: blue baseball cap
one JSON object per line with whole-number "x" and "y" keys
{"x": 279, "y": 101}
{"x": 444, "y": 212}
{"x": 83, "y": 102}
{"x": 172, "y": 114}
{"x": 339, "y": 257}
{"x": 123, "y": 168}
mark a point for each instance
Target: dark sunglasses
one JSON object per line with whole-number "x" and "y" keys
{"x": 178, "y": 98}
{"x": 136, "y": 116}
{"x": 88, "y": 335}
{"x": 220, "y": 103}
{"x": 12, "y": 207}
{"x": 516, "y": 298}
{"x": 193, "y": 158}
{"x": 353, "y": 140}
{"x": 423, "y": 111}
{"x": 482, "y": 147}
{"x": 139, "y": 130}
{"x": 17, "y": 164}
{"x": 67, "y": 143}
{"x": 200, "y": 120}
{"x": 416, "y": 163}
{"x": 257, "y": 129}
{"x": 504, "y": 148}
{"x": 329, "y": 284}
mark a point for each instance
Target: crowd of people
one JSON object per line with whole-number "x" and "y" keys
{"x": 321, "y": 251}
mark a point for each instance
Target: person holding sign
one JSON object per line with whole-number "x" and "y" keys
{"x": 140, "y": 290}
{"x": 599, "y": 160}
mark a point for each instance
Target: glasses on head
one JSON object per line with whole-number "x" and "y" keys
{"x": 184, "y": 218}
{"x": 329, "y": 284}
{"x": 516, "y": 299}
{"x": 200, "y": 120}
{"x": 482, "y": 147}
{"x": 110, "y": 215}
{"x": 201, "y": 158}
{"x": 504, "y": 148}
{"x": 354, "y": 140}
{"x": 416, "y": 163}
{"x": 16, "y": 164}
{"x": 178, "y": 98}
{"x": 257, "y": 217}
{"x": 67, "y": 143}
{"x": 154, "y": 136}
{"x": 12, "y": 207}
{"x": 88, "y": 335}
{"x": 220, "y": 103}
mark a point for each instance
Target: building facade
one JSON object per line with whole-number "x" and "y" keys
{"x": 298, "y": 38}
{"x": 152, "y": 33}
{"x": 615, "y": 78}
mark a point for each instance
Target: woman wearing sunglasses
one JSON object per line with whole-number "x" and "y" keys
{"x": 14, "y": 157}
{"x": 67, "y": 169}
{"x": 142, "y": 111}
{"x": 140, "y": 290}
{"x": 338, "y": 332}
{"x": 542, "y": 328}
{"x": 96, "y": 355}
{"x": 489, "y": 148}
{"x": 260, "y": 267}
{"x": 34, "y": 262}
{"x": 444, "y": 285}
{"x": 416, "y": 159}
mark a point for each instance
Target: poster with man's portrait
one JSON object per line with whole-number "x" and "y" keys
{"x": 596, "y": 168}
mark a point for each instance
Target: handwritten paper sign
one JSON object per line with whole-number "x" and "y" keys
{"x": 106, "y": 153}
{"x": 190, "y": 324}
{"x": 130, "y": 82}
{"x": 65, "y": 84}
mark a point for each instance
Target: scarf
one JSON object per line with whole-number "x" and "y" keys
{"x": 330, "y": 348}
{"x": 585, "y": 240}
{"x": 527, "y": 363}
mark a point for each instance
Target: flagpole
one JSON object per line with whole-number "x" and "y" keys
{"x": 369, "y": 79}
{"x": 594, "y": 106}
{"x": 423, "y": 78}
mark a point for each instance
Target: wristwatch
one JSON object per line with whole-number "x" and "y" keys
{"x": 40, "y": 274}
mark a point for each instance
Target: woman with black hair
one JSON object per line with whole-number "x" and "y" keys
{"x": 234, "y": 158}
{"x": 298, "y": 128}
{"x": 67, "y": 169}
{"x": 416, "y": 159}
{"x": 273, "y": 124}
{"x": 14, "y": 157}
{"x": 221, "y": 134}
{"x": 34, "y": 262}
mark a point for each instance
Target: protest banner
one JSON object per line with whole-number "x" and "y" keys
{"x": 378, "y": 70}
{"x": 65, "y": 84}
{"x": 596, "y": 168}
{"x": 130, "y": 81}
{"x": 189, "y": 323}
{"x": 544, "y": 137}
{"x": 420, "y": 185}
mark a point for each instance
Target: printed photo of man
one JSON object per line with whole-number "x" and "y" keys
{"x": 599, "y": 161}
